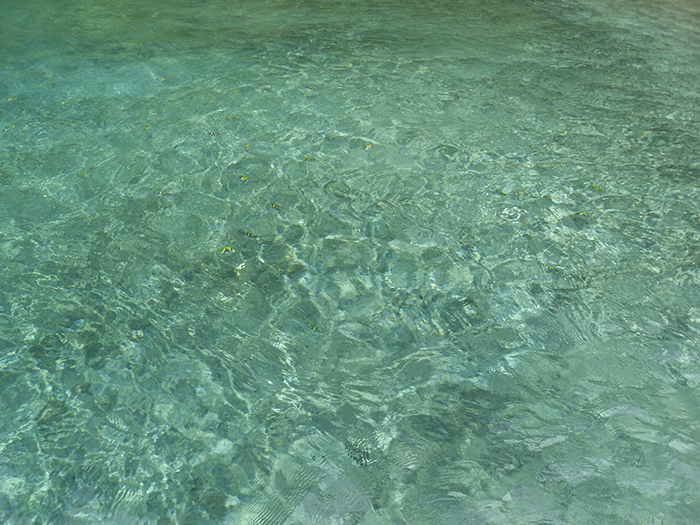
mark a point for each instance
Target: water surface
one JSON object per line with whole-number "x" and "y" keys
{"x": 295, "y": 262}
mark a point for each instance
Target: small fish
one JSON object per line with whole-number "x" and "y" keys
{"x": 308, "y": 159}
{"x": 164, "y": 193}
{"x": 83, "y": 175}
{"x": 312, "y": 326}
{"x": 233, "y": 118}
{"x": 275, "y": 206}
{"x": 226, "y": 249}
{"x": 248, "y": 234}
{"x": 243, "y": 178}
{"x": 367, "y": 146}
{"x": 215, "y": 133}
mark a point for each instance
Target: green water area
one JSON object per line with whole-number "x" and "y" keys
{"x": 290, "y": 262}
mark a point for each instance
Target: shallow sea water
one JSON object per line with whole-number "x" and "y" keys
{"x": 299, "y": 262}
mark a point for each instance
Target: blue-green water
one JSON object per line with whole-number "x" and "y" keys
{"x": 299, "y": 262}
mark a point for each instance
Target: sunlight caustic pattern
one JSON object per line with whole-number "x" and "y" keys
{"x": 363, "y": 263}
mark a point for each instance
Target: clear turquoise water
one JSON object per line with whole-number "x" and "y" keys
{"x": 295, "y": 262}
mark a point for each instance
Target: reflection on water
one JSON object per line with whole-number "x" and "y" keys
{"x": 306, "y": 262}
